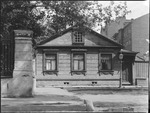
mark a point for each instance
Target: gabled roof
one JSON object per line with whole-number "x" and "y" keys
{"x": 71, "y": 28}
{"x": 55, "y": 36}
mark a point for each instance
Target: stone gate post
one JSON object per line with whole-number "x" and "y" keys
{"x": 23, "y": 53}
{"x": 22, "y": 83}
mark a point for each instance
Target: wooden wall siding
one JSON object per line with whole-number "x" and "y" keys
{"x": 90, "y": 40}
{"x": 92, "y": 63}
{"x": 64, "y": 64}
{"x": 64, "y": 67}
{"x": 39, "y": 64}
{"x": 65, "y": 39}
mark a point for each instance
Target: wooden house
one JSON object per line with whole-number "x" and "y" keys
{"x": 79, "y": 56}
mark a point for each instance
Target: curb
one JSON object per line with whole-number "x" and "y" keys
{"x": 105, "y": 88}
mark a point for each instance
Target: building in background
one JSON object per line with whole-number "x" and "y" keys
{"x": 110, "y": 29}
{"x": 134, "y": 37}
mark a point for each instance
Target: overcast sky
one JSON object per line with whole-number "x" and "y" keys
{"x": 138, "y": 8}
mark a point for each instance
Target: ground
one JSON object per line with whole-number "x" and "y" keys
{"x": 56, "y": 99}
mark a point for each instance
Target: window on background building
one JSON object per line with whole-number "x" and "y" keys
{"x": 78, "y": 37}
{"x": 106, "y": 62}
{"x": 50, "y": 62}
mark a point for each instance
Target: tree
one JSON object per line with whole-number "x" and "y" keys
{"x": 20, "y": 15}
{"x": 60, "y": 14}
{"x": 50, "y": 17}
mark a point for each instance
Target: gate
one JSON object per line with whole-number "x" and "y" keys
{"x": 6, "y": 55}
{"x": 141, "y": 68}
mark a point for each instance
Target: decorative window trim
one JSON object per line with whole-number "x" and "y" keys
{"x": 78, "y": 72}
{"x": 50, "y": 72}
{"x": 73, "y": 38}
{"x": 105, "y": 72}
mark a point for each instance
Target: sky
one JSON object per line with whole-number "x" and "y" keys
{"x": 138, "y": 8}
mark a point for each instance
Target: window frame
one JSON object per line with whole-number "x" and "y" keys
{"x": 78, "y": 72}
{"x": 44, "y": 62}
{"x": 99, "y": 64}
{"x": 74, "y": 37}
{"x": 55, "y": 60}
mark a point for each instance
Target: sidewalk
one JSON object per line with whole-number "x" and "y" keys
{"x": 45, "y": 99}
{"x": 56, "y": 99}
{"x": 44, "y": 95}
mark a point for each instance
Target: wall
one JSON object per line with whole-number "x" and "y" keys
{"x": 64, "y": 74}
{"x": 118, "y": 36}
{"x": 114, "y": 26}
{"x": 140, "y": 32}
{"x": 127, "y": 37}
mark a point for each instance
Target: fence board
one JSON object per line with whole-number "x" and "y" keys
{"x": 141, "y": 69}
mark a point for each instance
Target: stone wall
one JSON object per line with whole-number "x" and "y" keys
{"x": 140, "y": 32}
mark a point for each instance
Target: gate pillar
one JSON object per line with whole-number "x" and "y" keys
{"x": 22, "y": 66}
{"x": 23, "y": 53}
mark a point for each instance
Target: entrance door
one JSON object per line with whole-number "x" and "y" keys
{"x": 127, "y": 72}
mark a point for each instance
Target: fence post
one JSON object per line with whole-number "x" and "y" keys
{"x": 134, "y": 74}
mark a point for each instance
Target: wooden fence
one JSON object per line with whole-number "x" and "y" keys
{"x": 141, "y": 68}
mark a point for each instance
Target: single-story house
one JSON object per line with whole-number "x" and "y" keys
{"x": 80, "y": 56}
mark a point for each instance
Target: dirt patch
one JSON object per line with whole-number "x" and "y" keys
{"x": 111, "y": 92}
{"x": 45, "y": 108}
{"x": 114, "y": 104}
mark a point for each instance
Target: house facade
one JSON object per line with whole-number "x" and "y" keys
{"x": 80, "y": 56}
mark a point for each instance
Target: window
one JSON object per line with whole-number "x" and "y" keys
{"x": 78, "y": 37}
{"x": 106, "y": 62}
{"x": 78, "y": 63}
{"x": 50, "y": 62}
{"x": 50, "y": 65}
